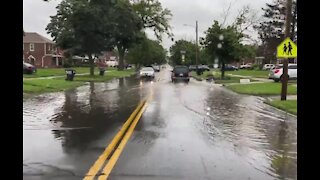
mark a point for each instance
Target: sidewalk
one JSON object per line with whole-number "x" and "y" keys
{"x": 250, "y": 77}
{"x": 289, "y": 97}
{"x": 52, "y": 77}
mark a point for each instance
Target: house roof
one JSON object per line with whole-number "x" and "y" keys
{"x": 33, "y": 37}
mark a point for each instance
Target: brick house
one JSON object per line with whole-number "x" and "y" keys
{"x": 41, "y": 51}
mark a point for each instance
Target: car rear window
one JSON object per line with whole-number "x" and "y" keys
{"x": 181, "y": 69}
{"x": 147, "y": 69}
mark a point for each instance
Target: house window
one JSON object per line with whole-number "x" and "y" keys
{"x": 31, "y": 47}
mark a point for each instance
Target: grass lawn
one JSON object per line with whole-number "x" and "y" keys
{"x": 107, "y": 76}
{"x": 60, "y": 84}
{"x": 253, "y": 73}
{"x": 60, "y": 72}
{"x": 217, "y": 74}
{"x": 288, "y": 105}
{"x": 262, "y": 88}
{"x": 48, "y": 85}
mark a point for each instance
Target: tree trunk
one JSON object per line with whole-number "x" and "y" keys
{"x": 137, "y": 67}
{"x": 121, "y": 58}
{"x": 91, "y": 65}
{"x": 222, "y": 70}
{"x": 293, "y": 27}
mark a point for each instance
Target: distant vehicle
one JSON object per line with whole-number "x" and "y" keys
{"x": 268, "y": 66}
{"x": 246, "y": 66}
{"x": 276, "y": 73}
{"x": 29, "y": 68}
{"x": 147, "y": 72}
{"x": 192, "y": 68}
{"x": 156, "y": 68}
{"x": 112, "y": 63}
{"x": 230, "y": 68}
{"x": 204, "y": 67}
{"x": 180, "y": 73}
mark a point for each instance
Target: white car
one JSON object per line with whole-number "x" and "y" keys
{"x": 277, "y": 72}
{"x": 147, "y": 72}
{"x": 268, "y": 66}
{"x": 112, "y": 63}
{"x": 246, "y": 66}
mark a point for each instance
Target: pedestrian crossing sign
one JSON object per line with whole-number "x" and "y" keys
{"x": 287, "y": 49}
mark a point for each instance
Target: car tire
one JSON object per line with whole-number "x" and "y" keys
{"x": 276, "y": 80}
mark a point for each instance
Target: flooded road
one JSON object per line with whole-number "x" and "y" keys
{"x": 197, "y": 130}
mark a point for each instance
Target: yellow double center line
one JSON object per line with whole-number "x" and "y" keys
{"x": 125, "y": 132}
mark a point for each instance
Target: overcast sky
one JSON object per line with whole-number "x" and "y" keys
{"x": 36, "y": 15}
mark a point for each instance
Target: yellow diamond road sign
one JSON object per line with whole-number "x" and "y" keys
{"x": 287, "y": 49}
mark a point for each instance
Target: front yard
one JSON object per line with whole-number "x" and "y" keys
{"x": 262, "y": 88}
{"x": 60, "y": 84}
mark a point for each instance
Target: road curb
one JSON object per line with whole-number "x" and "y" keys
{"x": 268, "y": 100}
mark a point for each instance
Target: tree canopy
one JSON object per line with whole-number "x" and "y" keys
{"x": 190, "y": 52}
{"x": 146, "y": 52}
{"x": 271, "y": 29}
{"x": 225, "y": 44}
{"x": 90, "y": 27}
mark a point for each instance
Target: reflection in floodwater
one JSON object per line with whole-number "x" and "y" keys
{"x": 82, "y": 115}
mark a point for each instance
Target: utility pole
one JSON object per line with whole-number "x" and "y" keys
{"x": 197, "y": 59}
{"x": 284, "y": 78}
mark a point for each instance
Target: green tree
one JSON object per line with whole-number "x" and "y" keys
{"x": 81, "y": 27}
{"x": 153, "y": 16}
{"x": 271, "y": 28}
{"x": 146, "y": 52}
{"x": 224, "y": 44}
{"x": 126, "y": 29}
{"x": 190, "y": 52}
{"x": 132, "y": 17}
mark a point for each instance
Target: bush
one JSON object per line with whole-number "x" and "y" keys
{"x": 255, "y": 67}
{"x": 67, "y": 65}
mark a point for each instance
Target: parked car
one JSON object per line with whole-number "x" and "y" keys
{"x": 246, "y": 66}
{"x": 277, "y": 72}
{"x": 147, "y": 72}
{"x": 156, "y": 68}
{"x": 268, "y": 66}
{"x": 112, "y": 63}
{"x": 192, "y": 68}
{"x": 230, "y": 68}
{"x": 204, "y": 67}
{"x": 29, "y": 68}
{"x": 180, "y": 73}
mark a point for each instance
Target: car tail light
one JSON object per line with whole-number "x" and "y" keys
{"x": 276, "y": 71}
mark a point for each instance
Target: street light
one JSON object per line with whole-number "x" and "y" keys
{"x": 196, "y": 39}
{"x": 219, "y": 45}
{"x": 182, "y": 55}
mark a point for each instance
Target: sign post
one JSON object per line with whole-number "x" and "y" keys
{"x": 286, "y": 49}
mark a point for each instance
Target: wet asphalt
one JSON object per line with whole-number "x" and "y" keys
{"x": 195, "y": 131}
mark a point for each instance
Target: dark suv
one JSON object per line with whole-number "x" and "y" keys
{"x": 180, "y": 73}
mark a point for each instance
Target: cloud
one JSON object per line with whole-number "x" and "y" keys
{"x": 36, "y": 15}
